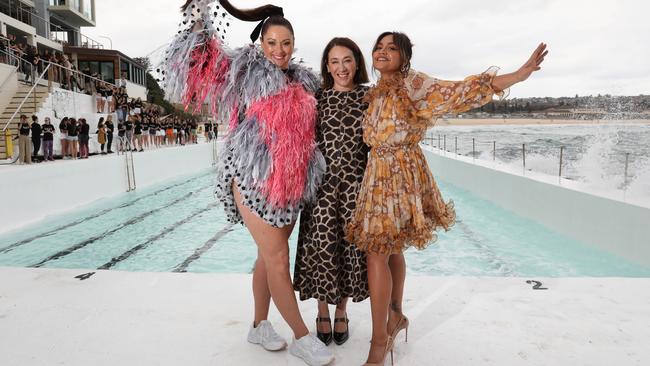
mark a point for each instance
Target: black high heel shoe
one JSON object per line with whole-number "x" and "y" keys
{"x": 340, "y": 338}
{"x": 324, "y": 337}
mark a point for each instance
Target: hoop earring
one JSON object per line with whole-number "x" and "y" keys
{"x": 405, "y": 69}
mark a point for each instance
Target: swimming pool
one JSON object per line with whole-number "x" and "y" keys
{"x": 177, "y": 227}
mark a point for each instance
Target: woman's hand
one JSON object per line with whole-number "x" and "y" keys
{"x": 503, "y": 82}
{"x": 533, "y": 62}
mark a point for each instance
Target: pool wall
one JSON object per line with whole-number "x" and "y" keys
{"x": 559, "y": 204}
{"x": 30, "y": 193}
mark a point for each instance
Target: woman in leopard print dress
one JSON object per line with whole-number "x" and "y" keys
{"x": 328, "y": 268}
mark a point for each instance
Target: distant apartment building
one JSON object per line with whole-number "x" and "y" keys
{"x": 56, "y": 25}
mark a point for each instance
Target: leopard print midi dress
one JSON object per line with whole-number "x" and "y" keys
{"x": 327, "y": 267}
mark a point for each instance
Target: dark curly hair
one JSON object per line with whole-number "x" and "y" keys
{"x": 405, "y": 46}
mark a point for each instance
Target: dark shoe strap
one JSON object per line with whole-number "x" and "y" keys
{"x": 338, "y": 320}
{"x": 322, "y": 320}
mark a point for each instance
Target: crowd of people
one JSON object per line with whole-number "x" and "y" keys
{"x": 138, "y": 125}
{"x": 31, "y": 61}
{"x": 27, "y": 58}
{"x": 137, "y": 132}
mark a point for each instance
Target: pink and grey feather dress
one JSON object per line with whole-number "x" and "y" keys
{"x": 270, "y": 153}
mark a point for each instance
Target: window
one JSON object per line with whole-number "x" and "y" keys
{"x": 87, "y": 9}
{"x": 105, "y": 69}
{"x": 125, "y": 68}
{"x": 108, "y": 71}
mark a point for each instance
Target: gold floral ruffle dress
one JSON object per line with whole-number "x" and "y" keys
{"x": 399, "y": 204}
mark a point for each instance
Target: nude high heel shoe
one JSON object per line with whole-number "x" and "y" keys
{"x": 388, "y": 348}
{"x": 402, "y": 323}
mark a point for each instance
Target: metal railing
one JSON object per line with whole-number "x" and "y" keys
{"x": 50, "y": 66}
{"x": 440, "y": 144}
{"x": 126, "y": 148}
{"x": 215, "y": 155}
{"x": 31, "y": 91}
{"x": 18, "y": 62}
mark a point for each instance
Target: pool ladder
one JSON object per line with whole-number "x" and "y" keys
{"x": 126, "y": 147}
{"x": 215, "y": 156}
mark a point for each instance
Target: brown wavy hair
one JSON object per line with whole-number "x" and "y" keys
{"x": 361, "y": 74}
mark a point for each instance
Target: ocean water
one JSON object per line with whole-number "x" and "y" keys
{"x": 593, "y": 154}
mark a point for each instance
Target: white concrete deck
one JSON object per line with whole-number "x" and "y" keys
{"x": 47, "y": 317}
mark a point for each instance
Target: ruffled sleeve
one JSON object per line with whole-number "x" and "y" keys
{"x": 432, "y": 97}
{"x": 196, "y": 63}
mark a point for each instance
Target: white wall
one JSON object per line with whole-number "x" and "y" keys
{"x": 610, "y": 224}
{"x": 64, "y": 103}
{"x": 136, "y": 90}
{"x": 32, "y": 192}
{"x": 8, "y": 86}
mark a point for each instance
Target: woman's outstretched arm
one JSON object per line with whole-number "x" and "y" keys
{"x": 503, "y": 82}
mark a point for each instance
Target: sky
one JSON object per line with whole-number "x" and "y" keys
{"x": 595, "y": 47}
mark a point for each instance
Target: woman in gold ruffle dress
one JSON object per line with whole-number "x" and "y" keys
{"x": 399, "y": 204}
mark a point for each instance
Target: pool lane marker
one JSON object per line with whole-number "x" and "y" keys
{"x": 154, "y": 238}
{"x": 491, "y": 258}
{"x": 85, "y": 276}
{"x": 200, "y": 251}
{"x": 130, "y": 222}
{"x": 100, "y": 213}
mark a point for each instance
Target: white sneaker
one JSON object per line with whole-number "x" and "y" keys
{"x": 265, "y": 335}
{"x": 311, "y": 350}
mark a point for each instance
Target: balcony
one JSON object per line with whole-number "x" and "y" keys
{"x": 77, "y": 13}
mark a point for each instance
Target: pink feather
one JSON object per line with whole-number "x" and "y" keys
{"x": 206, "y": 77}
{"x": 287, "y": 122}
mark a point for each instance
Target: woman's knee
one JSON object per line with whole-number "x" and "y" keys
{"x": 276, "y": 259}
{"x": 374, "y": 259}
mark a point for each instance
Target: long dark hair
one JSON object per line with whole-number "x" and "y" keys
{"x": 361, "y": 74}
{"x": 405, "y": 46}
{"x": 274, "y": 15}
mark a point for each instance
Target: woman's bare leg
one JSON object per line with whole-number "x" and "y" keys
{"x": 341, "y": 312}
{"x": 380, "y": 284}
{"x": 323, "y": 312}
{"x": 261, "y": 293}
{"x": 273, "y": 245}
{"x": 397, "y": 265}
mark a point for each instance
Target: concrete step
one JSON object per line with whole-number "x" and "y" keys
{"x": 25, "y": 106}
{"x": 20, "y": 97}
{"x": 26, "y": 111}
{"x": 17, "y": 101}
